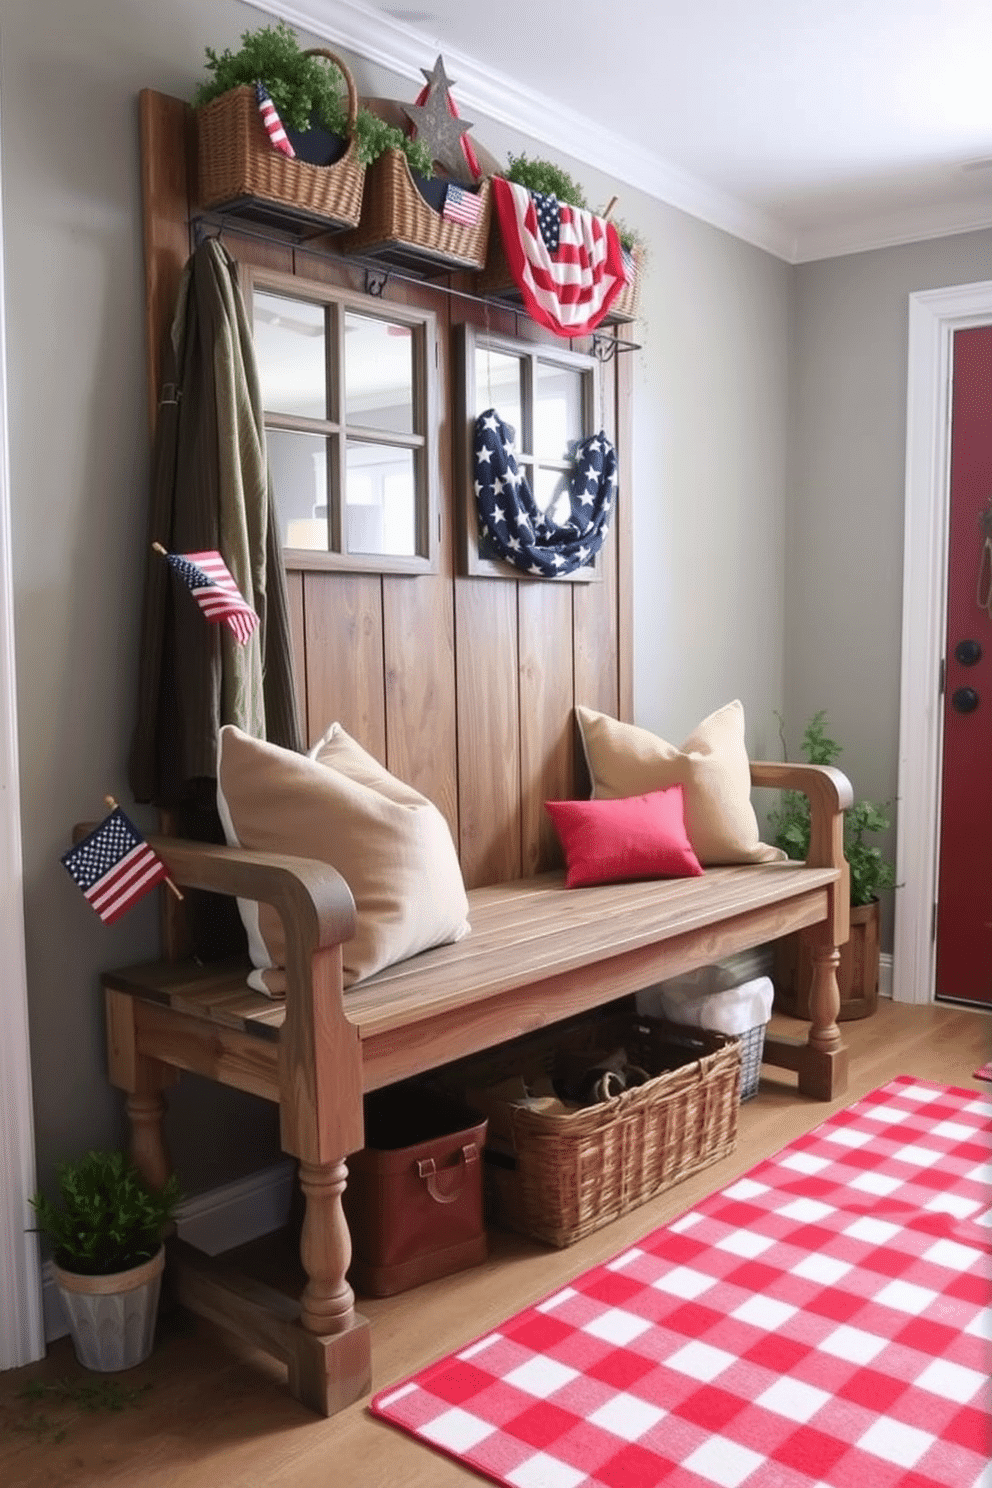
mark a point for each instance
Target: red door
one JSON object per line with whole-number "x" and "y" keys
{"x": 964, "y": 896}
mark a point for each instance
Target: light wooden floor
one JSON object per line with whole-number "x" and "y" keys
{"x": 208, "y": 1411}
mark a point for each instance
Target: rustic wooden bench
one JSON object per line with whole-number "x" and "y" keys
{"x": 537, "y": 953}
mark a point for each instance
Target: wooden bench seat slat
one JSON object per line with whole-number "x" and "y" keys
{"x": 520, "y": 933}
{"x": 550, "y": 930}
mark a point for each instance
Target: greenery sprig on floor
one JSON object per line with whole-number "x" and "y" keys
{"x": 83, "y": 1396}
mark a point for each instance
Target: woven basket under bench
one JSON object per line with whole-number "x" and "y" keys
{"x": 570, "y": 1174}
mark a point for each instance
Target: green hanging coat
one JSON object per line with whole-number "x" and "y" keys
{"x": 210, "y": 489}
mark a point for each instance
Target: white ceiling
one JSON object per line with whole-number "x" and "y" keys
{"x": 809, "y": 127}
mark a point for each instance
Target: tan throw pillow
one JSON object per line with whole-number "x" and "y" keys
{"x": 338, "y": 805}
{"x": 711, "y": 766}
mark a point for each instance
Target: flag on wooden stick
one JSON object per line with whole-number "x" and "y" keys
{"x": 114, "y": 866}
{"x": 272, "y": 121}
{"x": 209, "y": 580}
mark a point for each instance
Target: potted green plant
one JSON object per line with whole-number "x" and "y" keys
{"x": 108, "y": 1255}
{"x": 871, "y": 874}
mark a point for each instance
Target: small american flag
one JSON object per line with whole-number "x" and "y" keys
{"x": 114, "y": 866}
{"x": 461, "y": 206}
{"x": 272, "y": 121}
{"x": 208, "y": 579}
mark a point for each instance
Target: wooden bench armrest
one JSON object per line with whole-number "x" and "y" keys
{"x": 829, "y": 794}
{"x": 309, "y": 896}
{"x": 319, "y": 1055}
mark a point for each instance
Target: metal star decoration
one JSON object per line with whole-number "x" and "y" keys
{"x": 440, "y": 130}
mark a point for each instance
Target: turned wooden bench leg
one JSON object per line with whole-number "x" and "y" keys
{"x": 328, "y": 1303}
{"x": 331, "y": 1365}
{"x": 146, "y": 1113}
{"x": 143, "y": 1080}
{"x": 823, "y": 1071}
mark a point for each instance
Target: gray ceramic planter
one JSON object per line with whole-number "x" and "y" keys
{"x": 112, "y": 1318}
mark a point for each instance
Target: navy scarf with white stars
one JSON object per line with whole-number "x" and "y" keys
{"x": 512, "y": 525}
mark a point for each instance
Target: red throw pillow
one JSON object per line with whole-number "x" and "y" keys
{"x": 632, "y": 837}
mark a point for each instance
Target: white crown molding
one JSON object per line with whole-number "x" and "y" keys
{"x": 892, "y": 230}
{"x": 374, "y": 36}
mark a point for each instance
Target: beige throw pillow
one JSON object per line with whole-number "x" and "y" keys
{"x": 711, "y": 766}
{"x": 338, "y": 805}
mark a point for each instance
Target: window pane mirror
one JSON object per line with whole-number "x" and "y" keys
{"x": 291, "y": 351}
{"x": 378, "y": 373}
{"x": 549, "y": 397}
{"x": 349, "y": 394}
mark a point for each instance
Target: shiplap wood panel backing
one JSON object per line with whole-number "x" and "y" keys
{"x": 463, "y": 686}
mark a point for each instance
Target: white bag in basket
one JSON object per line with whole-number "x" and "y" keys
{"x": 710, "y": 998}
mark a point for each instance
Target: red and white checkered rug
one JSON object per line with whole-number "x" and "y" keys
{"x": 823, "y": 1322}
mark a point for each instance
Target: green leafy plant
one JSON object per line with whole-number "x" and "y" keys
{"x": 301, "y": 87}
{"x": 304, "y": 90}
{"x": 871, "y": 873}
{"x": 373, "y": 136}
{"x": 108, "y": 1219}
{"x": 544, "y": 176}
{"x": 630, "y": 237}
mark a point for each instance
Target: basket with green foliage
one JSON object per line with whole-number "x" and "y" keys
{"x": 546, "y": 177}
{"x": 871, "y": 873}
{"x": 311, "y": 90}
{"x": 307, "y": 87}
{"x": 108, "y": 1219}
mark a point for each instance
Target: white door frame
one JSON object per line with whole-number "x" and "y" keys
{"x": 22, "y": 1336}
{"x": 934, "y": 316}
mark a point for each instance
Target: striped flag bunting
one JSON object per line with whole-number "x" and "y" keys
{"x": 114, "y": 866}
{"x": 568, "y": 289}
{"x": 209, "y": 580}
{"x": 272, "y": 121}
{"x": 461, "y": 206}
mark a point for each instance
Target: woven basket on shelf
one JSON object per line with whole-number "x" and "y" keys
{"x": 567, "y": 1175}
{"x": 396, "y": 220}
{"x": 237, "y": 161}
{"x": 497, "y": 280}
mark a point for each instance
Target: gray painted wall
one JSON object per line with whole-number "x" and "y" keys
{"x": 844, "y": 548}
{"x": 722, "y": 584}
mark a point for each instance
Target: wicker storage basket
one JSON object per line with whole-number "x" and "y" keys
{"x": 497, "y": 281}
{"x": 238, "y": 164}
{"x": 567, "y": 1175}
{"x": 399, "y": 225}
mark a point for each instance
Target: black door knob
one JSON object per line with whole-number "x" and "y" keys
{"x": 968, "y": 652}
{"x": 964, "y": 700}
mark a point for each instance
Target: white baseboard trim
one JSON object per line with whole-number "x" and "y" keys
{"x": 885, "y": 976}
{"x": 214, "y": 1221}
